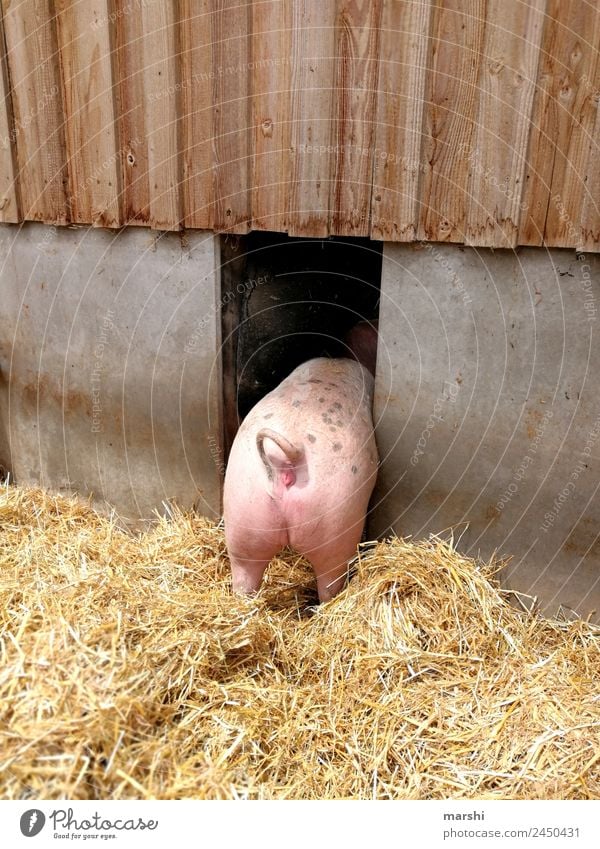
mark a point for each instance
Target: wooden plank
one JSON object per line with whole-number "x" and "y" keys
{"x": 38, "y": 113}
{"x": 196, "y": 82}
{"x": 576, "y": 158}
{"x": 590, "y": 213}
{"x": 162, "y": 91}
{"x": 312, "y": 87}
{"x": 450, "y": 114}
{"x": 497, "y": 159}
{"x": 129, "y": 71}
{"x": 357, "y": 61}
{"x": 10, "y": 205}
{"x": 271, "y": 129}
{"x": 85, "y": 44}
{"x": 231, "y": 38}
{"x": 399, "y": 133}
{"x": 567, "y": 54}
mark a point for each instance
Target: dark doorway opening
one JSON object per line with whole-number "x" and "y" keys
{"x": 286, "y": 300}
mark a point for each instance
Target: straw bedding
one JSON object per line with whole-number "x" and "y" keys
{"x": 129, "y": 670}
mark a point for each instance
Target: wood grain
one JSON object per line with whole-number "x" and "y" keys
{"x": 129, "y": 73}
{"x": 196, "y": 103}
{"x": 271, "y": 129}
{"x": 450, "y": 116}
{"x": 85, "y": 41}
{"x": 10, "y": 204}
{"x": 590, "y": 212}
{"x": 562, "y": 119}
{"x": 471, "y": 121}
{"x": 162, "y": 91}
{"x": 576, "y": 91}
{"x": 357, "y": 61}
{"x": 405, "y": 45}
{"x": 497, "y": 159}
{"x": 37, "y": 105}
{"x": 312, "y": 90}
{"x": 231, "y": 39}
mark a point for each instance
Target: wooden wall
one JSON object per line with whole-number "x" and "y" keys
{"x": 471, "y": 121}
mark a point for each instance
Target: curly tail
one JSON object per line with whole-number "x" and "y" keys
{"x": 291, "y": 451}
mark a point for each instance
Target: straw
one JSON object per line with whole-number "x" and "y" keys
{"x": 129, "y": 670}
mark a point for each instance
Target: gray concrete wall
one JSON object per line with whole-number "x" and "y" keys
{"x": 488, "y": 410}
{"x": 487, "y": 405}
{"x": 110, "y": 380}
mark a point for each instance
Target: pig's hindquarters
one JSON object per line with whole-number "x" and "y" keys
{"x": 255, "y": 527}
{"x": 317, "y": 505}
{"x": 325, "y": 519}
{"x": 321, "y": 515}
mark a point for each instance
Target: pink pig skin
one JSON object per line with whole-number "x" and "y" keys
{"x": 301, "y": 471}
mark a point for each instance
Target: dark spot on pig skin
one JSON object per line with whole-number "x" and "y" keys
{"x": 321, "y": 400}
{"x": 314, "y": 380}
{"x": 296, "y": 403}
{"x": 337, "y": 405}
{"x": 328, "y": 389}
{"x": 333, "y": 429}
{"x": 339, "y": 423}
{"x": 354, "y": 470}
{"x": 337, "y": 446}
{"x": 311, "y": 437}
{"x": 268, "y": 416}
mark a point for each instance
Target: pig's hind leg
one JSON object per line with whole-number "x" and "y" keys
{"x": 330, "y": 561}
{"x": 249, "y": 556}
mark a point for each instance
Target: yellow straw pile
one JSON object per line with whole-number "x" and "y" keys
{"x": 129, "y": 670}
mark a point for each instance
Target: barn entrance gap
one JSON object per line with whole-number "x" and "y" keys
{"x": 285, "y": 300}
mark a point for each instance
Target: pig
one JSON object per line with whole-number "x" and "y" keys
{"x": 301, "y": 472}
{"x": 361, "y": 341}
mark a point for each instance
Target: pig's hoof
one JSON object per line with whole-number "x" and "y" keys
{"x": 242, "y": 589}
